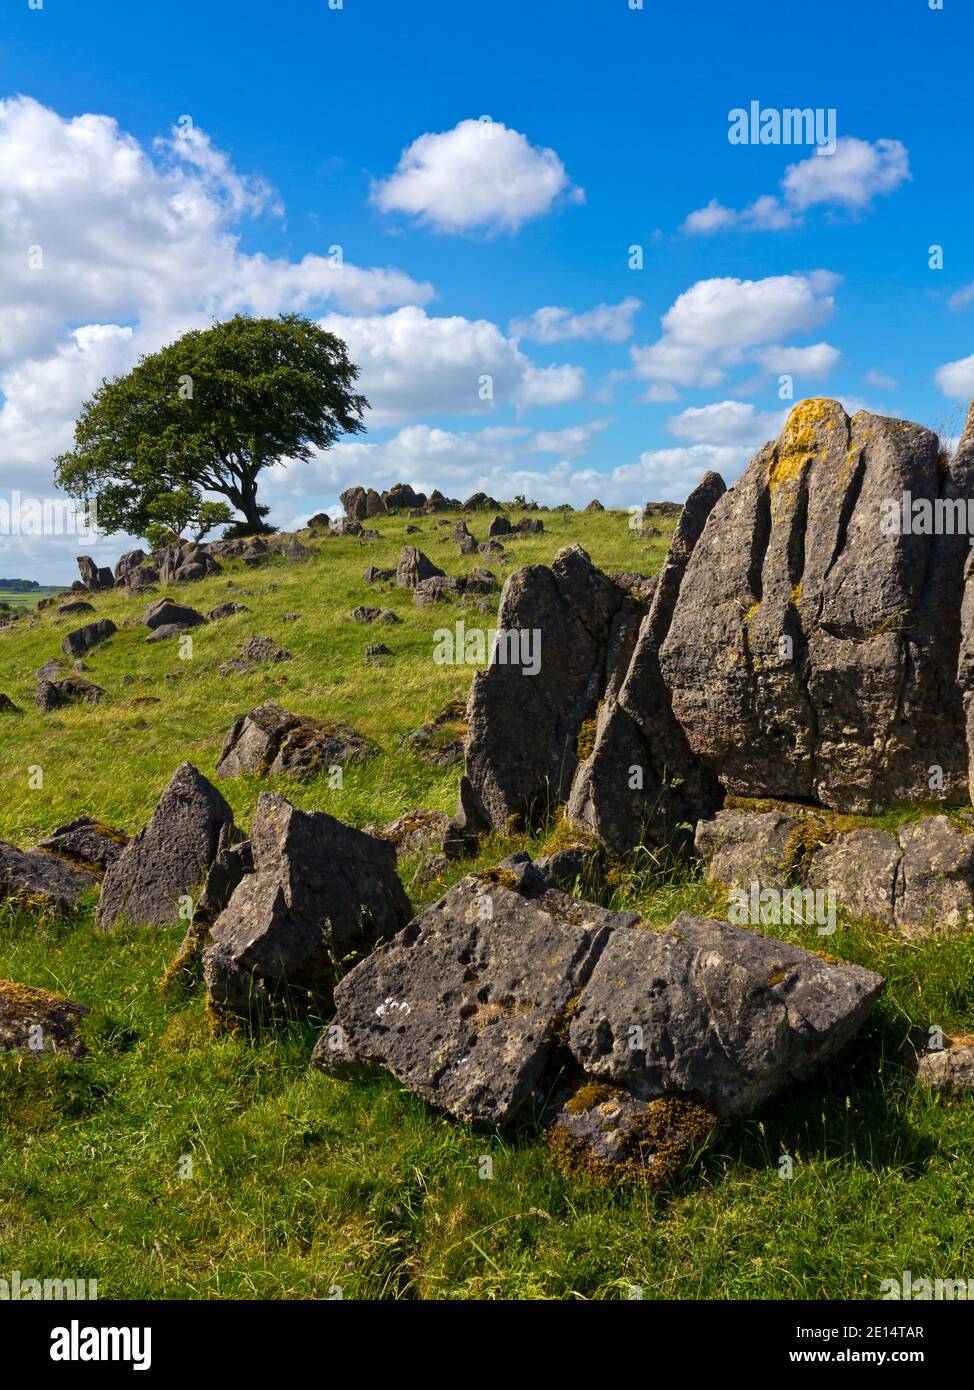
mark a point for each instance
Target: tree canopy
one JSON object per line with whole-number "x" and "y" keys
{"x": 206, "y": 415}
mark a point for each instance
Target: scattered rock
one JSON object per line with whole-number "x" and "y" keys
{"x": 254, "y": 652}
{"x": 594, "y": 506}
{"x": 86, "y": 844}
{"x": 500, "y": 526}
{"x": 377, "y": 650}
{"x": 226, "y": 610}
{"x": 743, "y": 847}
{"x": 165, "y": 613}
{"x": 167, "y": 630}
{"x": 84, "y": 638}
{"x": 7, "y": 705}
{"x": 440, "y": 741}
{"x": 40, "y": 878}
{"x": 414, "y": 832}
{"x": 373, "y": 575}
{"x": 951, "y": 1068}
{"x": 170, "y": 858}
{"x": 605, "y": 1132}
{"x": 321, "y": 893}
{"x": 414, "y": 567}
{"x": 94, "y": 577}
{"x": 269, "y": 741}
{"x": 34, "y": 1021}
{"x": 72, "y": 690}
{"x": 73, "y": 607}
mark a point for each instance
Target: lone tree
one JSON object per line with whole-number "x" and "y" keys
{"x": 206, "y": 415}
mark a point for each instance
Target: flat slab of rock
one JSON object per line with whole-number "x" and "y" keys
{"x": 321, "y": 892}
{"x": 743, "y": 847}
{"x": 74, "y": 608}
{"x": 40, "y": 878}
{"x": 716, "y": 1012}
{"x": 462, "y": 1006}
{"x": 84, "y": 638}
{"x": 86, "y": 844}
{"x": 170, "y": 858}
{"x": 269, "y": 741}
{"x": 34, "y": 1021}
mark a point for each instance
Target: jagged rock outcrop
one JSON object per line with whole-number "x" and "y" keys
{"x": 94, "y": 577}
{"x": 642, "y": 780}
{"x": 811, "y": 655}
{"x": 169, "y": 859}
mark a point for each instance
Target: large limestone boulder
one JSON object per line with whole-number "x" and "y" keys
{"x": 170, "y": 858}
{"x": 642, "y": 780}
{"x": 812, "y": 655}
{"x": 715, "y": 1011}
{"x": 743, "y": 847}
{"x": 321, "y": 894}
{"x": 525, "y": 712}
{"x": 463, "y": 1005}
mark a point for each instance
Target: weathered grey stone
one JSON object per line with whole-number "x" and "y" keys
{"x": 233, "y": 861}
{"x": 269, "y": 741}
{"x": 84, "y": 638}
{"x": 720, "y": 1012}
{"x": 524, "y": 728}
{"x": 170, "y": 858}
{"x": 165, "y": 613}
{"x": 7, "y": 705}
{"x": 94, "y": 577}
{"x": 743, "y": 847}
{"x": 41, "y": 878}
{"x": 321, "y": 893}
{"x": 602, "y": 1130}
{"x": 935, "y": 882}
{"x": 73, "y": 607}
{"x": 500, "y": 526}
{"x": 414, "y": 567}
{"x": 226, "y": 610}
{"x": 72, "y": 690}
{"x": 642, "y": 781}
{"x": 34, "y": 1021}
{"x": 810, "y": 655}
{"x": 254, "y": 652}
{"x": 462, "y": 1005}
{"x": 413, "y": 832}
{"x": 165, "y": 632}
{"x": 86, "y": 844}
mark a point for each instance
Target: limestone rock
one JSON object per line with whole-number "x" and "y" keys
{"x": 269, "y": 741}
{"x": 84, "y": 638}
{"x": 320, "y": 893}
{"x": 170, "y": 858}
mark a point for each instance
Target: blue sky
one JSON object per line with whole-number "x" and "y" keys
{"x": 608, "y": 128}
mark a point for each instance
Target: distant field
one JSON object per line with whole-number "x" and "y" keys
{"x": 27, "y": 600}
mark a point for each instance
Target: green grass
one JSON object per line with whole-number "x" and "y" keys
{"x": 25, "y": 600}
{"x": 301, "y": 1183}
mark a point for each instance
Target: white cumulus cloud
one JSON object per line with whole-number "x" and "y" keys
{"x": 612, "y": 323}
{"x": 479, "y": 175}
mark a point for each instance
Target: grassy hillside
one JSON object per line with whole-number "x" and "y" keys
{"x": 299, "y": 1183}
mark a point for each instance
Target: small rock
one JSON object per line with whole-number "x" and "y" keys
{"x": 84, "y": 638}
{"x": 34, "y": 1021}
{"x": 165, "y": 613}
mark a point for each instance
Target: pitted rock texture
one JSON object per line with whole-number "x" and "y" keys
{"x": 169, "y": 859}
{"x": 812, "y": 656}
{"x": 714, "y": 1011}
{"x": 321, "y": 893}
{"x": 34, "y": 1021}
